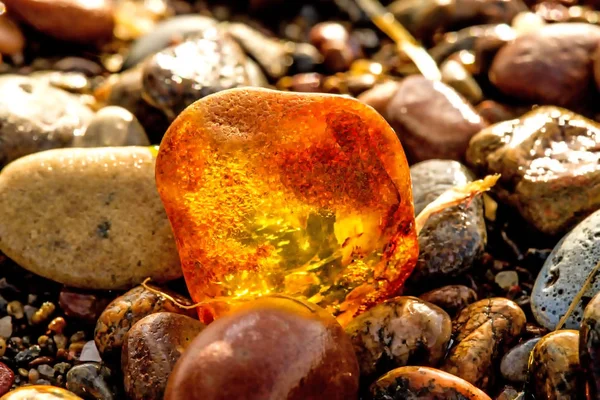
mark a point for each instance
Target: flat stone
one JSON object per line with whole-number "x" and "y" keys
{"x": 64, "y": 213}
{"x": 564, "y": 273}
{"x": 36, "y": 116}
{"x": 45, "y": 392}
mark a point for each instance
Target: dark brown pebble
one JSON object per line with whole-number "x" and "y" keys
{"x": 271, "y": 348}
{"x": 481, "y": 334}
{"x": 41, "y": 360}
{"x": 151, "y": 349}
{"x": 452, "y": 298}
{"x": 589, "y": 345}
{"x": 336, "y": 45}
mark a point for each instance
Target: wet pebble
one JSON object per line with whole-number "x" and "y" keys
{"x": 379, "y": 96}
{"x": 555, "y": 372}
{"x": 548, "y": 162}
{"x": 150, "y": 350}
{"x": 336, "y": 45}
{"x": 36, "y": 116}
{"x": 481, "y": 333}
{"x": 589, "y": 345}
{"x": 515, "y": 362}
{"x": 12, "y": 40}
{"x": 455, "y": 75}
{"x": 24, "y": 357}
{"x": 113, "y": 126}
{"x": 7, "y": 378}
{"x": 123, "y": 312}
{"x": 110, "y": 213}
{"x": 84, "y": 306}
{"x": 270, "y": 348}
{"x": 399, "y": 332}
{"x": 432, "y": 120}
{"x": 92, "y": 379}
{"x": 454, "y": 239}
{"x": 564, "y": 273}
{"x": 509, "y": 393}
{"x": 451, "y": 298}
{"x": 177, "y": 76}
{"x": 422, "y": 383}
{"x": 552, "y": 65}
{"x": 71, "y": 20}
{"x": 40, "y": 392}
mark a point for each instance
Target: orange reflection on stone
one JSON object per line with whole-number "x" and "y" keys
{"x": 269, "y": 192}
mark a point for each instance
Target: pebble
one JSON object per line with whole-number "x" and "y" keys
{"x": 548, "y": 162}
{"x": 399, "y": 332}
{"x": 46, "y": 371}
{"x": 12, "y": 40}
{"x": 84, "y": 306}
{"x": 564, "y": 273}
{"x": 515, "y": 362}
{"x": 60, "y": 341}
{"x": 338, "y": 48}
{"x": 92, "y": 379}
{"x": 6, "y": 327}
{"x": 29, "y": 312}
{"x": 164, "y": 34}
{"x": 71, "y": 20}
{"x": 110, "y": 213}
{"x": 554, "y": 370}
{"x": 33, "y": 376}
{"x": 150, "y": 350}
{"x": 43, "y": 313}
{"x": 89, "y": 352}
{"x": 123, "y": 312}
{"x": 7, "y": 377}
{"x": 273, "y": 347}
{"x": 432, "y": 120}
{"x": 455, "y": 75}
{"x": 423, "y": 383}
{"x": 57, "y": 325}
{"x": 379, "y": 96}
{"x": 24, "y": 357}
{"x": 589, "y": 346}
{"x": 552, "y": 65}
{"x": 2, "y": 346}
{"x": 454, "y": 239}
{"x": 509, "y": 393}
{"x": 40, "y": 392}
{"x": 506, "y": 279}
{"x": 36, "y": 116}
{"x": 481, "y": 332}
{"x": 179, "y": 75}
{"x": 451, "y": 298}
{"x": 113, "y": 126}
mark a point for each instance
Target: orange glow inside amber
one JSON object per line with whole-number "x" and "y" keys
{"x": 269, "y": 192}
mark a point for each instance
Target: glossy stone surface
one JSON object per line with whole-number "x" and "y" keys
{"x": 548, "y": 160}
{"x": 303, "y": 194}
{"x": 589, "y": 345}
{"x": 40, "y": 392}
{"x": 273, "y": 348}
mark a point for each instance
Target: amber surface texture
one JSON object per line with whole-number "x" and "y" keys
{"x": 269, "y": 192}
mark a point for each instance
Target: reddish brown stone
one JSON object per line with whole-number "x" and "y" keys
{"x": 7, "y": 378}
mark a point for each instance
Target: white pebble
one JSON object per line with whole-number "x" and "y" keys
{"x": 6, "y": 327}
{"x": 90, "y": 352}
{"x": 507, "y": 279}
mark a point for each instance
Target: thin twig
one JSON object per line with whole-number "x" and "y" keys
{"x": 578, "y": 297}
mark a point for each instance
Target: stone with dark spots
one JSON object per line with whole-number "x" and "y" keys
{"x": 432, "y": 120}
{"x": 548, "y": 161}
{"x": 481, "y": 333}
{"x": 515, "y": 362}
{"x": 151, "y": 349}
{"x": 453, "y": 240}
{"x": 555, "y": 372}
{"x": 92, "y": 379}
{"x": 399, "y": 332}
{"x": 123, "y": 312}
{"x": 589, "y": 346}
{"x": 552, "y": 65}
{"x": 422, "y": 383}
{"x": 451, "y": 298}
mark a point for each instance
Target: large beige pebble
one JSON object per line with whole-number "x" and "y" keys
{"x": 88, "y": 218}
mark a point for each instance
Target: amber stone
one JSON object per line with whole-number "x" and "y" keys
{"x": 41, "y": 392}
{"x": 270, "y": 192}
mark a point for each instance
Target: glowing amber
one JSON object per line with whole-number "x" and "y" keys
{"x": 303, "y": 194}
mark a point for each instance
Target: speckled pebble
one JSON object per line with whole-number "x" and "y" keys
{"x": 110, "y": 212}
{"x": 451, "y": 241}
{"x": 92, "y": 379}
{"x": 564, "y": 273}
{"x": 515, "y": 362}
{"x": 451, "y": 298}
{"x": 589, "y": 346}
{"x": 113, "y": 126}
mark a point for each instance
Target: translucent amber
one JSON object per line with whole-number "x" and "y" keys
{"x": 307, "y": 195}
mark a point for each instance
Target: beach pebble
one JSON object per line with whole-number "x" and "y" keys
{"x": 40, "y": 392}
{"x": 92, "y": 379}
{"x": 113, "y": 126}
{"x": 481, "y": 333}
{"x": 401, "y": 331}
{"x": 454, "y": 239}
{"x": 35, "y": 116}
{"x": 422, "y": 383}
{"x": 515, "y": 362}
{"x": 12, "y": 40}
{"x": 150, "y": 350}
{"x": 555, "y": 372}
{"x": 451, "y": 298}
{"x": 7, "y": 377}
{"x": 271, "y": 348}
{"x": 123, "y": 312}
{"x": 589, "y": 345}
{"x": 564, "y": 273}
{"x": 432, "y": 120}
{"x": 71, "y": 20}
{"x": 109, "y": 211}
